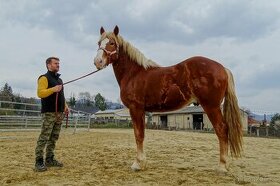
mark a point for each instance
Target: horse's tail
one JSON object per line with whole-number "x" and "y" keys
{"x": 232, "y": 118}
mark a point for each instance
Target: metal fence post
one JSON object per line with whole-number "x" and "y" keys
{"x": 76, "y": 122}
{"x": 89, "y": 122}
{"x": 24, "y": 110}
{"x": 250, "y": 130}
{"x": 26, "y": 121}
{"x": 266, "y": 131}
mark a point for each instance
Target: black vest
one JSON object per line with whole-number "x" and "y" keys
{"x": 49, "y": 103}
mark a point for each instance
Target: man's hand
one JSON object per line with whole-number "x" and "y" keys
{"x": 57, "y": 88}
{"x": 66, "y": 110}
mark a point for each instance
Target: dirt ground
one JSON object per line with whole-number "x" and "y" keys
{"x": 104, "y": 157}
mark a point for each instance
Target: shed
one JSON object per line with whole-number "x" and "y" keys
{"x": 189, "y": 117}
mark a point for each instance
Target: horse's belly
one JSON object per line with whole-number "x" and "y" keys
{"x": 169, "y": 99}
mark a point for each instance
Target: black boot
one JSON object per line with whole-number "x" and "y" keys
{"x": 39, "y": 165}
{"x": 51, "y": 162}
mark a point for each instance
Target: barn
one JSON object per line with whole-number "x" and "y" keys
{"x": 190, "y": 117}
{"x": 118, "y": 114}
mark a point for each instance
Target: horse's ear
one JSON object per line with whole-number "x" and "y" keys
{"x": 116, "y": 30}
{"x": 102, "y": 30}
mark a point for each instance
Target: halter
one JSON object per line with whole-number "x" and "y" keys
{"x": 109, "y": 53}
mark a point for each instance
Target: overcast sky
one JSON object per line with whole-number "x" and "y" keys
{"x": 242, "y": 35}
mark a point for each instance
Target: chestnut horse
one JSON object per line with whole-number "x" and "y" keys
{"x": 145, "y": 86}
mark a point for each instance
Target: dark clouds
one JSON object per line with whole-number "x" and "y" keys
{"x": 181, "y": 21}
{"x": 242, "y": 35}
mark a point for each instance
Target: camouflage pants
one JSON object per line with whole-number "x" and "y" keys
{"x": 49, "y": 134}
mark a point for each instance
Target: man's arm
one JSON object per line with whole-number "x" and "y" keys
{"x": 43, "y": 91}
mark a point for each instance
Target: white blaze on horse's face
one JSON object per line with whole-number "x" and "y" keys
{"x": 100, "y": 60}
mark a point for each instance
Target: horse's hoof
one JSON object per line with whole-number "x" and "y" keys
{"x": 135, "y": 167}
{"x": 221, "y": 170}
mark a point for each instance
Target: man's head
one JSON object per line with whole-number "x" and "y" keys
{"x": 52, "y": 64}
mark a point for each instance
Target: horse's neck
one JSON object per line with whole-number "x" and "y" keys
{"x": 125, "y": 68}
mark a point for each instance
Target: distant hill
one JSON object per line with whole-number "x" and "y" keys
{"x": 91, "y": 108}
{"x": 111, "y": 105}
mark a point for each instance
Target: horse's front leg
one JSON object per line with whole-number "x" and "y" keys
{"x": 138, "y": 119}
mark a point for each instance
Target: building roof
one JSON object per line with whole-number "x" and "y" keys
{"x": 109, "y": 111}
{"x": 123, "y": 114}
{"x": 184, "y": 110}
{"x": 119, "y": 112}
{"x": 252, "y": 121}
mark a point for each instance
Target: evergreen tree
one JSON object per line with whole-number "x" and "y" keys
{"x": 6, "y": 94}
{"x": 275, "y": 117}
{"x": 72, "y": 101}
{"x": 100, "y": 102}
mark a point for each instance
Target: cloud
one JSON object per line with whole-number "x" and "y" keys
{"x": 183, "y": 21}
{"x": 241, "y": 35}
{"x": 232, "y": 19}
{"x": 262, "y": 101}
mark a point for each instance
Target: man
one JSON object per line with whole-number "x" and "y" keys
{"x": 49, "y": 85}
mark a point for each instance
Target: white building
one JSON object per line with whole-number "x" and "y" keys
{"x": 190, "y": 117}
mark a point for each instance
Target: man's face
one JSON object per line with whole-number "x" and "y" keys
{"x": 53, "y": 65}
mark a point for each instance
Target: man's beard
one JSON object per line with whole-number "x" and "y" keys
{"x": 55, "y": 70}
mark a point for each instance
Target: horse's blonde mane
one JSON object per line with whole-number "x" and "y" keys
{"x": 133, "y": 53}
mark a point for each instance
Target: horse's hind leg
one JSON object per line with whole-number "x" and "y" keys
{"x": 138, "y": 119}
{"x": 221, "y": 129}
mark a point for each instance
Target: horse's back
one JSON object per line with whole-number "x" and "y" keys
{"x": 202, "y": 63}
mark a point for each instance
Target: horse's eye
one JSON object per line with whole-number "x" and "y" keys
{"x": 112, "y": 43}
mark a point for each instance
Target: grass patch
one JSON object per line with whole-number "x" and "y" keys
{"x": 111, "y": 125}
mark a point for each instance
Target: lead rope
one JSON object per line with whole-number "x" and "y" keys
{"x": 56, "y": 97}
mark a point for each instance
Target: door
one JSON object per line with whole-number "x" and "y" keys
{"x": 198, "y": 121}
{"x": 163, "y": 121}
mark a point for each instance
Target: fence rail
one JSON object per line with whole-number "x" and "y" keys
{"x": 31, "y": 118}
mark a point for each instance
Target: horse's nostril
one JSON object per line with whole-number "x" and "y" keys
{"x": 100, "y": 61}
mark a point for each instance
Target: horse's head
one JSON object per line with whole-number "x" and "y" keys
{"x": 108, "y": 48}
